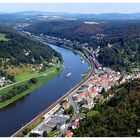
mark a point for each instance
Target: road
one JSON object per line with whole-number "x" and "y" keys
{"x": 94, "y": 63}
{"x": 74, "y": 103}
{"x": 74, "y": 117}
{"x": 73, "y": 90}
{"x": 43, "y": 74}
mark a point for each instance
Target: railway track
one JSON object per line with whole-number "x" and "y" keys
{"x": 74, "y": 89}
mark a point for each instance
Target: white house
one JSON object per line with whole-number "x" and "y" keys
{"x": 1, "y": 83}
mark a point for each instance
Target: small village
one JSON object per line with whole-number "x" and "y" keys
{"x": 56, "y": 40}
{"x": 4, "y": 81}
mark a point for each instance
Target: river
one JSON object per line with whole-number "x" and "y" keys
{"x": 21, "y": 112}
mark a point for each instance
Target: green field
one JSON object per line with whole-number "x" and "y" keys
{"x": 41, "y": 78}
{"x": 25, "y": 75}
{"x": 3, "y": 37}
{"x": 29, "y": 74}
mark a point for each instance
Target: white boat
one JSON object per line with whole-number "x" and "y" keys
{"x": 68, "y": 75}
{"x": 83, "y": 62}
{"x": 63, "y": 66}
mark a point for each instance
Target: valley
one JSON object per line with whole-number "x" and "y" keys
{"x": 61, "y": 73}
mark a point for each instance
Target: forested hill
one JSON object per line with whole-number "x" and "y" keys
{"x": 119, "y": 39}
{"x": 16, "y": 49}
{"x": 120, "y": 116}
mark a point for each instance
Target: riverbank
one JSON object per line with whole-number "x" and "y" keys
{"x": 53, "y": 106}
{"x": 76, "y": 52}
{"x": 41, "y": 79}
{"x": 83, "y": 56}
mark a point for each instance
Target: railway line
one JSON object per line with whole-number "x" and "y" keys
{"x": 74, "y": 89}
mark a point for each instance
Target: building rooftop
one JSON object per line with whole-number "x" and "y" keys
{"x": 69, "y": 133}
{"x": 66, "y": 105}
{"x": 56, "y": 120}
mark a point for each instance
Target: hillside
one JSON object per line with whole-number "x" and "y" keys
{"x": 19, "y": 54}
{"x": 119, "y": 39}
{"x": 25, "y": 65}
{"x": 118, "y": 117}
{"x": 121, "y": 46}
{"x": 22, "y": 50}
{"x": 73, "y": 30}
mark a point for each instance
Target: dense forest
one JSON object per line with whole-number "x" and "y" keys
{"x": 123, "y": 51}
{"x": 18, "y": 49}
{"x": 120, "y": 116}
{"x": 119, "y": 39}
{"x": 73, "y": 30}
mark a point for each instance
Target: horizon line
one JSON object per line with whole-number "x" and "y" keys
{"x": 69, "y": 12}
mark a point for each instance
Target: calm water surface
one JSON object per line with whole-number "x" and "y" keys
{"x": 14, "y": 116}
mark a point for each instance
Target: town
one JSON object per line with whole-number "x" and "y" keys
{"x": 55, "y": 40}
{"x": 66, "y": 116}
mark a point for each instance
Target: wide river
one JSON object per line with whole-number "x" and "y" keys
{"x": 18, "y": 114}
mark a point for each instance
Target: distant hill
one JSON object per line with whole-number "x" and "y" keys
{"x": 123, "y": 37}
{"x": 107, "y": 16}
{"x": 77, "y": 16}
{"x": 74, "y": 30}
{"x": 33, "y": 16}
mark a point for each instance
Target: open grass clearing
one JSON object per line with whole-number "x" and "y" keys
{"x": 3, "y": 37}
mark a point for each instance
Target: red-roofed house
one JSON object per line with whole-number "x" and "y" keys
{"x": 69, "y": 133}
{"x": 66, "y": 105}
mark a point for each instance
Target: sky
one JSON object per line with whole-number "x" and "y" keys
{"x": 96, "y": 8}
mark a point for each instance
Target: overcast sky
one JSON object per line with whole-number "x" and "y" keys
{"x": 73, "y": 8}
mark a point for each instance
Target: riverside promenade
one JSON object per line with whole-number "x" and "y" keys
{"x": 52, "y": 106}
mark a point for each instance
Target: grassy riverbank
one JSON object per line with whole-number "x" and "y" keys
{"x": 41, "y": 79}
{"x": 75, "y": 51}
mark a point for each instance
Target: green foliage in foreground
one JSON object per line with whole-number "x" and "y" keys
{"x": 119, "y": 117}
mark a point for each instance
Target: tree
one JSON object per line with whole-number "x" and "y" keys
{"x": 69, "y": 111}
{"x": 45, "y": 134}
{"x": 34, "y": 135}
{"x": 25, "y": 131}
{"x": 33, "y": 81}
{"x": 57, "y": 68}
{"x": 102, "y": 91}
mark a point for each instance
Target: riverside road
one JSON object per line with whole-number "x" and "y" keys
{"x": 87, "y": 54}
